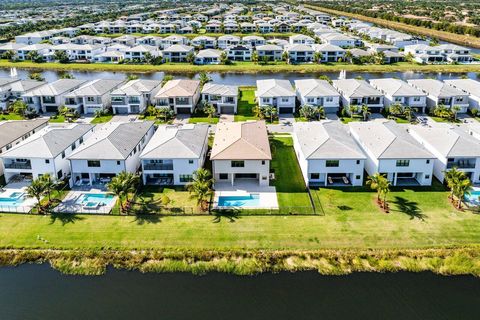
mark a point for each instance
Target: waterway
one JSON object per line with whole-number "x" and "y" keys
{"x": 39, "y": 292}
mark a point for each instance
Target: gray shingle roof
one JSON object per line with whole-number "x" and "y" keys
{"x": 49, "y": 142}
{"x": 315, "y": 88}
{"x": 177, "y": 142}
{"x": 396, "y": 87}
{"x": 353, "y": 88}
{"x": 13, "y": 130}
{"x": 112, "y": 141}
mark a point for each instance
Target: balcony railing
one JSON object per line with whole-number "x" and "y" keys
{"x": 157, "y": 166}
{"x": 461, "y": 165}
{"x": 18, "y": 165}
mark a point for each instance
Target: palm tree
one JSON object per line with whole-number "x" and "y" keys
{"x": 348, "y": 56}
{"x": 204, "y": 78}
{"x": 452, "y": 177}
{"x": 166, "y": 78}
{"x": 36, "y": 190}
{"x": 455, "y": 111}
{"x": 374, "y": 182}
{"x": 308, "y": 112}
{"x": 396, "y": 109}
{"x": 201, "y": 186}
{"x": 317, "y": 57}
{"x": 270, "y": 111}
{"x": 365, "y": 112}
{"x": 49, "y": 184}
{"x": 408, "y": 112}
{"x": 462, "y": 188}
{"x": 384, "y": 188}
{"x": 210, "y": 110}
{"x": 190, "y": 58}
{"x": 255, "y": 57}
{"x": 19, "y": 107}
{"x": 116, "y": 187}
{"x": 258, "y": 112}
{"x": 352, "y": 110}
{"x": 165, "y": 112}
{"x": 123, "y": 184}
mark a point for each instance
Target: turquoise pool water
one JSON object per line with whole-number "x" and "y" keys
{"x": 15, "y": 199}
{"x": 251, "y": 200}
{"x": 94, "y": 199}
{"x": 473, "y": 197}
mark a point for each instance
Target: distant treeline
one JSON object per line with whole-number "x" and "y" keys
{"x": 348, "y": 6}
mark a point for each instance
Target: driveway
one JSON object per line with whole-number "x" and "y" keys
{"x": 181, "y": 119}
{"x": 226, "y": 118}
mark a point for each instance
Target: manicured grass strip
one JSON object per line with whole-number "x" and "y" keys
{"x": 291, "y": 191}
{"x": 246, "y": 102}
{"x": 102, "y": 119}
{"x": 204, "y": 119}
{"x": 243, "y": 67}
{"x": 149, "y": 200}
{"x": 441, "y": 35}
{"x": 10, "y": 116}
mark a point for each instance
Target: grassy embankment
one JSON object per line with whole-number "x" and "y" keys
{"x": 465, "y": 40}
{"x": 241, "y": 67}
{"x": 422, "y": 232}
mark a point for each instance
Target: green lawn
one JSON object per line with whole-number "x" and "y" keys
{"x": 246, "y": 102}
{"x": 203, "y": 119}
{"x": 10, "y": 116}
{"x": 102, "y": 119}
{"x": 291, "y": 191}
{"x": 447, "y": 120}
{"x": 418, "y": 219}
{"x": 149, "y": 200}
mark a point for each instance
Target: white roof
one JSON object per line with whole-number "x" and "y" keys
{"x": 315, "y": 88}
{"x": 220, "y": 89}
{"x": 356, "y": 88}
{"x": 274, "y": 88}
{"x": 396, "y": 87}
{"x": 469, "y": 86}
{"x": 177, "y": 142}
{"x": 57, "y": 87}
{"x": 436, "y": 88}
{"x": 326, "y": 140}
{"x": 386, "y": 139}
{"x": 97, "y": 87}
{"x": 136, "y": 87}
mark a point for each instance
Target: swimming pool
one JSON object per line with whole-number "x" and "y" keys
{"x": 474, "y": 197}
{"x": 250, "y": 200}
{"x": 14, "y": 199}
{"x": 94, "y": 200}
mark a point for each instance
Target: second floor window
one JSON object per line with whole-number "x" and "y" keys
{"x": 332, "y": 163}
{"x": 238, "y": 164}
{"x": 93, "y": 163}
{"x": 403, "y": 163}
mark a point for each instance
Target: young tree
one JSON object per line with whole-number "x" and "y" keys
{"x": 317, "y": 57}
{"x": 122, "y": 185}
{"x": 61, "y": 56}
{"x": 255, "y": 57}
{"x": 271, "y": 112}
{"x": 36, "y": 190}
{"x": 204, "y": 78}
{"x": 210, "y": 110}
{"x": 49, "y": 185}
{"x": 165, "y": 112}
{"x": 201, "y": 187}
{"x": 224, "y": 58}
{"x": 36, "y": 76}
{"x": 455, "y": 111}
{"x": 309, "y": 112}
{"x": 166, "y": 78}
{"x": 19, "y": 107}
{"x": 190, "y": 58}
{"x": 365, "y": 112}
{"x": 374, "y": 182}
{"x": 258, "y": 112}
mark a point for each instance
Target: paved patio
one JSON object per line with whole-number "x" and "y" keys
{"x": 71, "y": 203}
{"x": 267, "y": 194}
{"x": 17, "y": 187}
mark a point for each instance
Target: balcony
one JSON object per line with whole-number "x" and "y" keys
{"x": 18, "y": 165}
{"x": 461, "y": 164}
{"x": 158, "y": 166}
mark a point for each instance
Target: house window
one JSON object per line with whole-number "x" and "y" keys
{"x": 80, "y": 141}
{"x": 403, "y": 163}
{"x": 186, "y": 178}
{"x": 314, "y": 176}
{"x": 416, "y": 99}
{"x": 285, "y": 99}
{"x": 358, "y": 161}
{"x": 332, "y": 163}
{"x": 93, "y": 163}
{"x": 357, "y": 177}
{"x": 310, "y": 100}
{"x": 73, "y": 146}
{"x": 398, "y": 99}
{"x": 118, "y": 163}
{"x": 223, "y": 176}
{"x": 427, "y": 176}
{"x": 263, "y": 162}
{"x": 47, "y": 160}
{"x": 329, "y": 99}
{"x": 238, "y": 164}
{"x": 428, "y": 161}
{"x": 190, "y": 161}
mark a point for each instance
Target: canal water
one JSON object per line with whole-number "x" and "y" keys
{"x": 39, "y": 292}
{"x": 243, "y": 79}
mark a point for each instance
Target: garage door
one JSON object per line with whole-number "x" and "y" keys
{"x": 51, "y": 108}
{"x": 123, "y": 110}
{"x": 286, "y": 110}
{"x": 227, "y": 110}
{"x": 183, "y": 110}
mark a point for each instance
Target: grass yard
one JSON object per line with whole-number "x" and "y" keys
{"x": 10, "y": 116}
{"x": 418, "y": 219}
{"x": 203, "y": 119}
{"x": 150, "y": 201}
{"x": 291, "y": 191}
{"x": 446, "y": 120}
{"x": 102, "y": 119}
{"x": 246, "y": 102}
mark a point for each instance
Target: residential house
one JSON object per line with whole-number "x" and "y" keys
{"x": 358, "y": 93}
{"x": 453, "y": 147}
{"x": 204, "y": 42}
{"x": 19, "y": 88}
{"x": 241, "y": 153}
{"x": 6, "y": 90}
{"x": 141, "y": 52}
{"x": 223, "y": 42}
{"x": 399, "y": 92}
{"x": 180, "y": 95}
{"x": 330, "y": 52}
{"x": 277, "y": 93}
{"x": 301, "y": 39}
{"x": 223, "y": 97}
{"x": 50, "y": 96}
{"x": 173, "y": 40}
{"x": 299, "y": 53}
{"x": 253, "y": 41}
{"x": 92, "y": 96}
{"x": 177, "y": 53}
{"x": 327, "y": 154}
{"x": 423, "y": 53}
{"x": 112, "y": 148}
{"x": 393, "y": 152}
{"x": 270, "y": 52}
{"x": 338, "y": 39}
{"x": 45, "y": 152}
{"x": 208, "y": 56}
{"x": 469, "y": 86}
{"x": 14, "y": 132}
{"x": 174, "y": 153}
{"x": 134, "y": 96}
{"x": 440, "y": 93}
{"x": 239, "y": 53}
{"x": 317, "y": 93}
{"x": 456, "y": 54}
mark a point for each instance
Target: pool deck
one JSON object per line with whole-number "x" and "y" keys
{"x": 27, "y": 204}
{"x": 69, "y": 204}
{"x": 267, "y": 195}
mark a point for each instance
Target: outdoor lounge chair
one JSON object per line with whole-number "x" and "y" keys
{"x": 345, "y": 180}
{"x": 330, "y": 180}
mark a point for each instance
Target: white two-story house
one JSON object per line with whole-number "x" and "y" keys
{"x": 241, "y": 152}
{"x": 317, "y": 93}
{"x": 174, "y": 153}
{"x": 469, "y": 86}
{"x": 277, "y": 93}
{"x": 399, "y": 92}
{"x": 134, "y": 96}
{"x": 453, "y": 147}
{"x": 393, "y": 152}
{"x": 180, "y": 95}
{"x": 45, "y": 152}
{"x": 112, "y": 148}
{"x": 221, "y": 96}
{"x": 92, "y": 96}
{"x": 327, "y": 154}
{"x": 357, "y": 93}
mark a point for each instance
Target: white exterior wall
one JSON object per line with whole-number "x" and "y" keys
{"x": 251, "y": 166}
{"x": 329, "y": 106}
